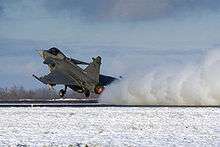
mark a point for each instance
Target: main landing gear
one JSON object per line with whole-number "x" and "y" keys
{"x": 63, "y": 92}
{"x": 87, "y": 93}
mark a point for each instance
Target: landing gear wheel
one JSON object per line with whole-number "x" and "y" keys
{"x": 87, "y": 93}
{"x": 62, "y": 93}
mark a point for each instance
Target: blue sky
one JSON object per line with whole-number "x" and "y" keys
{"x": 111, "y": 28}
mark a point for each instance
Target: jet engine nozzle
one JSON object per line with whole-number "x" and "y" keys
{"x": 99, "y": 89}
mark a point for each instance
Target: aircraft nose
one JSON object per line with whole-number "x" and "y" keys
{"x": 41, "y": 53}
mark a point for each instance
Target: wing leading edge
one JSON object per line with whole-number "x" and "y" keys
{"x": 55, "y": 78}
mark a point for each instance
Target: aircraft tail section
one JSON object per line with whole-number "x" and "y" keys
{"x": 93, "y": 70}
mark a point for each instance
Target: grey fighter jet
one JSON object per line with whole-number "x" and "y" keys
{"x": 65, "y": 71}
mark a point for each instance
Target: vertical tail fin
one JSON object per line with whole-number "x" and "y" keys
{"x": 93, "y": 70}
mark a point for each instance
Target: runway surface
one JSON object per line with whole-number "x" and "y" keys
{"x": 82, "y": 103}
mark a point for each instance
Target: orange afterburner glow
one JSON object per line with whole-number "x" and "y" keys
{"x": 99, "y": 89}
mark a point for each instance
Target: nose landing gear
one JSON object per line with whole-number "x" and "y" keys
{"x": 63, "y": 92}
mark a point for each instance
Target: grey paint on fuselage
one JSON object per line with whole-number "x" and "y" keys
{"x": 75, "y": 73}
{"x": 65, "y": 71}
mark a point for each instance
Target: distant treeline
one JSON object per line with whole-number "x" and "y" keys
{"x": 19, "y": 93}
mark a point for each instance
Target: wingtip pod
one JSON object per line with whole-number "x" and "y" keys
{"x": 38, "y": 79}
{"x": 35, "y": 76}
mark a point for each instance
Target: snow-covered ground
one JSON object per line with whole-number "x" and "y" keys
{"x": 110, "y": 126}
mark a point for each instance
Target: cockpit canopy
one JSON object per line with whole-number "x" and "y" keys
{"x": 56, "y": 52}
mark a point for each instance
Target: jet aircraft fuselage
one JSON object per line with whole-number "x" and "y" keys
{"x": 65, "y": 71}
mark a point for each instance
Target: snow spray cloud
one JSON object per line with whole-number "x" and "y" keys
{"x": 169, "y": 79}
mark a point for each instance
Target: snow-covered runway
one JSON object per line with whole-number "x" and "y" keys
{"x": 110, "y": 126}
